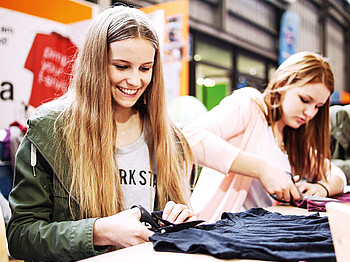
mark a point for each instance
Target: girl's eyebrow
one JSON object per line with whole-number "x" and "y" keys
{"x": 125, "y": 61}
{"x": 119, "y": 60}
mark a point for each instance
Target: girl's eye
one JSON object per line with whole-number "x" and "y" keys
{"x": 121, "y": 67}
{"x": 145, "y": 68}
{"x": 304, "y": 100}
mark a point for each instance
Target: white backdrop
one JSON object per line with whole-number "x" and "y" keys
{"x": 17, "y": 32}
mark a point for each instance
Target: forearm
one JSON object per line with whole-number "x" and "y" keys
{"x": 249, "y": 165}
{"x": 213, "y": 152}
{"x": 273, "y": 179}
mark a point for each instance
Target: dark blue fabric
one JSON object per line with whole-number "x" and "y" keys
{"x": 255, "y": 234}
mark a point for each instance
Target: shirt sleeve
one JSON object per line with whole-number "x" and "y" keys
{"x": 33, "y": 233}
{"x": 212, "y": 136}
{"x": 34, "y": 53}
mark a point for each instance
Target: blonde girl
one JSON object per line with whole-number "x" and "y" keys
{"x": 106, "y": 145}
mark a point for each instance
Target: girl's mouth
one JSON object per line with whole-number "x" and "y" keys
{"x": 301, "y": 121}
{"x": 129, "y": 92}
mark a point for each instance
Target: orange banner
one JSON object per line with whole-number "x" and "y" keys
{"x": 62, "y": 11}
{"x": 175, "y": 47}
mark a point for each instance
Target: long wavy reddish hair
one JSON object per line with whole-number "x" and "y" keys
{"x": 309, "y": 145}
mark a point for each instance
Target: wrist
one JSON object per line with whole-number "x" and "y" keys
{"x": 262, "y": 168}
{"x": 99, "y": 233}
{"x": 324, "y": 187}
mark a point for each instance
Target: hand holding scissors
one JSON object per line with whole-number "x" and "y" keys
{"x": 304, "y": 196}
{"x": 161, "y": 225}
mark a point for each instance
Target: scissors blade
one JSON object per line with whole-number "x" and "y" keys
{"x": 177, "y": 227}
{"x": 320, "y": 199}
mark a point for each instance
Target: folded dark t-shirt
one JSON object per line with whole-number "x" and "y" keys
{"x": 254, "y": 234}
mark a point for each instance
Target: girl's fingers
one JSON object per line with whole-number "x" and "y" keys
{"x": 175, "y": 212}
{"x": 183, "y": 216}
{"x": 167, "y": 209}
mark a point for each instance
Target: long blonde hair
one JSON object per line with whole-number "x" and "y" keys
{"x": 89, "y": 131}
{"x": 309, "y": 145}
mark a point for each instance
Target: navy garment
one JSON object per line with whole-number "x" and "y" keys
{"x": 255, "y": 234}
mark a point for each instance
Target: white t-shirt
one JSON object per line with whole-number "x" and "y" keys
{"x": 257, "y": 196}
{"x": 137, "y": 180}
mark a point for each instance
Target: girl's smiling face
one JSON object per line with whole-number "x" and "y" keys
{"x": 130, "y": 69}
{"x": 301, "y": 104}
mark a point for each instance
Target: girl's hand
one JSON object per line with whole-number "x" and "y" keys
{"x": 273, "y": 179}
{"x": 177, "y": 213}
{"x": 277, "y": 182}
{"x": 121, "y": 230}
{"x": 312, "y": 189}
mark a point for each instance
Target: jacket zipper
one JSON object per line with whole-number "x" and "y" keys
{"x": 33, "y": 163}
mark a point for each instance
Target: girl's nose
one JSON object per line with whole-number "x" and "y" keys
{"x": 310, "y": 111}
{"x": 134, "y": 78}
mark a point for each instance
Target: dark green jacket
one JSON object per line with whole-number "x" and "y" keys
{"x": 41, "y": 227}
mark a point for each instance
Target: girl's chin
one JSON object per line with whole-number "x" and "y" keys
{"x": 294, "y": 125}
{"x": 123, "y": 103}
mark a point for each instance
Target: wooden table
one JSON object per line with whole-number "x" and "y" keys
{"x": 145, "y": 252}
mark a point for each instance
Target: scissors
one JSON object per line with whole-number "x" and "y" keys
{"x": 304, "y": 196}
{"x": 155, "y": 221}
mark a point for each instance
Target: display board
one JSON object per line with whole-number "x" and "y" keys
{"x": 171, "y": 20}
{"x": 38, "y": 41}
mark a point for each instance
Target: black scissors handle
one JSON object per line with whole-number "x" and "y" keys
{"x": 146, "y": 217}
{"x": 168, "y": 226}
